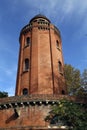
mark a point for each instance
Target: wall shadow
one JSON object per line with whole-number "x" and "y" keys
{"x": 13, "y": 117}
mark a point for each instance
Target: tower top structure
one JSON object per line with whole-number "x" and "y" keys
{"x": 40, "y": 19}
{"x": 38, "y": 16}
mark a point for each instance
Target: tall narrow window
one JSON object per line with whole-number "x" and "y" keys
{"x": 26, "y": 64}
{"x": 60, "y": 66}
{"x": 25, "y": 91}
{"x": 57, "y": 43}
{"x": 27, "y": 41}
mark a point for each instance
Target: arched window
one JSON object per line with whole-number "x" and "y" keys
{"x": 27, "y": 41}
{"x": 59, "y": 66}
{"x": 25, "y": 91}
{"x": 26, "y": 67}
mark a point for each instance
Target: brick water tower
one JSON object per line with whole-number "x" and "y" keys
{"x": 40, "y": 78}
{"x": 41, "y": 66}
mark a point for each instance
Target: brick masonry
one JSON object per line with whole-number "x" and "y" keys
{"x": 43, "y": 80}
{"x": 43, "y": 76}
{"x": 31, "y": 111}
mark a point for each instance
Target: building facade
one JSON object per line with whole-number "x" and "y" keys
{"x": 40, "y": 78}
{"x": 41, "y": 66}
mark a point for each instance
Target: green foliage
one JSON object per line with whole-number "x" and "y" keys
{"x": 72, "y": 78}
{"x": 82, "y": 91}
{"x": 3, "y": 94}
{"x": 69, "y": 114}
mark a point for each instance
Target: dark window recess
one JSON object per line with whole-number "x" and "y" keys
{"x": 60, "y": 67}
{"x": 26, "y": 64}
{"x": 57, "y": 43}
{"x": 27, "y": 41}
{"x": 25, "y": 91}
{"x": 63, "y": 92}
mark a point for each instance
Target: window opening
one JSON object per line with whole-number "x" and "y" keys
{"x": 63, "y": 92}
{"x": 25, "y": 91}
{"x": 27, "y": 41}
{"x": 57, "y": 43}
{"x": 26, "y": 64}
{"x": 60, "y": 66}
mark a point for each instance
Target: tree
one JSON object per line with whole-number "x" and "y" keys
{"x": 84, "y": 80}
{"x": 82, "y": 91}
{"x": 72, "y": 78}
{"x": 3, "y": 94}
{"x": 68, "y": 113}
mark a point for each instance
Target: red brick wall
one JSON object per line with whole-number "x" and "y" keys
{"x": 29, "y": 116}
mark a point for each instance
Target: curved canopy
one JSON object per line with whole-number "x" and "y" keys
{"x": 39, "y": 16}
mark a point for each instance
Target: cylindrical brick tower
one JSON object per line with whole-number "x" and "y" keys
{"x": 40, "y": 66}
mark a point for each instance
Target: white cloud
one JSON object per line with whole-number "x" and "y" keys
{"x": 73, "y": 8}
{"x": 61, "y": 9}
{"x": 67, "y": 7}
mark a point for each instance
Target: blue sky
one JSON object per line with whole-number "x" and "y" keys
{"x": 70, "y": 16}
